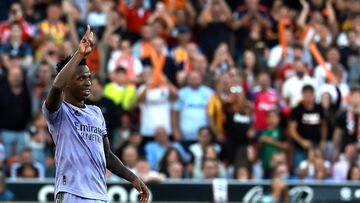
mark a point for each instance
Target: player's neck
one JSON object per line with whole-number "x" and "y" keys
{"x": 71, "y": 100}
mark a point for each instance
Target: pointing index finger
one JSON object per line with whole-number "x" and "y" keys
{"x": 88, "y": 31}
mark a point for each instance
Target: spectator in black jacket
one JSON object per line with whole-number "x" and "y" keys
{"x": 15, "y": 108}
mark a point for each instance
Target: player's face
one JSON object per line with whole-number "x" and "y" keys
{"x": 80, "y": 85}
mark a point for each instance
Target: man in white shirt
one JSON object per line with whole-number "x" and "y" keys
{"x": 278, "y": 56}
{"x": 333, "y": 63}
{"x": 155, "y": 106}
{"x": 292, "y": 87}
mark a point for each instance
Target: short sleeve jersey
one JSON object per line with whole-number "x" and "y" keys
{"x": 80, "y": 159}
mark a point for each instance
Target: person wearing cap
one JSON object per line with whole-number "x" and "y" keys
{"x": 180, "y": 53}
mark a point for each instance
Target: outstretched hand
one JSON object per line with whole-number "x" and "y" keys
{"x": 87, "y": 42}
{"x": 140, "y": 186}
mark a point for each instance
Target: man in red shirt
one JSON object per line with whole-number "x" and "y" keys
{"x": 265, "y": 100}
{"x": 136, "y": 16}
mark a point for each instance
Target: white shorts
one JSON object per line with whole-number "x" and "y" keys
{"x": 64, "y": 197}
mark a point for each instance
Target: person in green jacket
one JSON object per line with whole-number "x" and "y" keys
{"x": 272, "y": 141}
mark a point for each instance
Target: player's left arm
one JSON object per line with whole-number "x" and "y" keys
{"x": 114, "y": 164}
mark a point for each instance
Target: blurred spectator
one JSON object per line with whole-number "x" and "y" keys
{"x": 314, "y": 167}
{"x": 175, "y": 171}
{"x": 198, "y": 150}
{"x": 16, "y": 47}
{"x": 354, "y": 173}
{"x": 27, "y": 171}
{"x": 180, "y": 52}
{"x": 222, "y": 60}
{"x": 292, "y": 88}
{"x": 77, "y": 27}
{"x": 350, "y": 53}
{"x": 16, "y": 15}
{"x": 333, "y": 65}
{"x": 40, "y": 78}
{"x": 249, "y": 68}
{"x": 266, "y": 99}
{"x": 216, "y": 115}
{"x": 238, "y": 122}
{"x": 272, "y": 140}
{"x": 341, "y": 168}
{"x": 347, "y": 123}
{"x": 287, "y": 71}
{"x": 136, "y": 16}
{"x": 156, "y": 99}
{"x": 5, "y": 194}
{"x": 212, "y": 156}
{"x": 277, "y": 158}
{"x": 144, "y": 171}
{"x": 171, "y": 156}
{"x": 184, "y": 16}
{"x": 134, "y": 140}
{"x": 279, "y": 55}
{"x": 143, "y": 48}
{"x": 159, "y": 62}
{"x": 15, "y": 106}
{"x": 37, "y": 143}
{"x": 245, "y": 16}
{"x": 279, "y": 192}
{"x": 26, "y": 167}
{"x": 98, "y": 14}
{"x": 191, "y": 106}
{"x": 49, "y": 52}
{"x": 32, "y": 11}
{"x": 281, "y": 171}
{"x": 124, "y": 58}
{"x": 52, "y": 27}
{"x": 161, "y": 20}
{"x": 243, "y": 173}
{"x": 156, "y": 149}
{"x": 198, "y": 62}
{"x": 130, "y": 157}
{"x": 307, "y": 126}
{"x": 110, "y": 111}
{"x": 210, "y": 168}
{"x": 214, "y": 21}
{"x": 330, "y": 102}
{"x": 119, "y": 90}
{"x": 256, "y": 42}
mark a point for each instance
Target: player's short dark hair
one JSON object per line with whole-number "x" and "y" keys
{"x": 307, "y": 88}
{"x": 63, "y": 62}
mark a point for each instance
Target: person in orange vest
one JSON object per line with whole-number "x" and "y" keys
{"x": 143, "y": 48}
{"x": 160, "y": 62}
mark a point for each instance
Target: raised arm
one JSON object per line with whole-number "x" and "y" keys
{"x": 301, "y": 20}
{"x": 117, "y": 167}
{"x": 54, "y": 98}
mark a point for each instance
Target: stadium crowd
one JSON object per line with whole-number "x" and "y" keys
{"x": 201, "y": 89}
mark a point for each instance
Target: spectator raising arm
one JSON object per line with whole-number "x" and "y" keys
{"x": 301, "y": 20}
